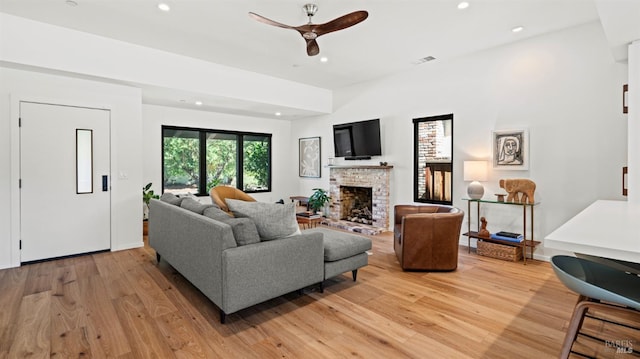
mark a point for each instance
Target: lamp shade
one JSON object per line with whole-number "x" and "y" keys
{"x": 475, "y": 170}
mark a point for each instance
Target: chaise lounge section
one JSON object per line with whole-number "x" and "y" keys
{"x": 343, "y": 252}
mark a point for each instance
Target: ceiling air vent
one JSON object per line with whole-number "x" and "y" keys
{"x": 423, "y": 60}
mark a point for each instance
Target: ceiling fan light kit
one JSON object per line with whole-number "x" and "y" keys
{"x": 311, "y": 31}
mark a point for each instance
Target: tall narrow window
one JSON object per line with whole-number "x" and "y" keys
{"x": 221, "y": 160}
{"x": 433, "y": 157}
{"x": 256, "y": 168}
{"x": 84, "y": 161}
{"x": 181, "y": 158}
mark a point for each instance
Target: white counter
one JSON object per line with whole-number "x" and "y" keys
{"x": 608, "y": 229}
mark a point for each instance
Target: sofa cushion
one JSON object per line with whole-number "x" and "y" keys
{"x": 344, "y": 246}
{"x": 194, "y": 206}
{"x": 340, "y": 245}
{"x": 214, "y": 212}
{"x": 244, "y": 230}
{"x": 171, "y": 198}
{"x": 273, "y": 220}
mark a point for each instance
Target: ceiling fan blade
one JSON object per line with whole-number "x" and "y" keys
{"x": 340, "y": 23}
{"x": 264, "y": 20}
{"x": 312, "y": 48}
{"x": 311, "y": 31}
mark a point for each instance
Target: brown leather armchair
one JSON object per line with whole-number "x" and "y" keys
{"x": 426, "y": 236}
{"x": 220, "y": 193}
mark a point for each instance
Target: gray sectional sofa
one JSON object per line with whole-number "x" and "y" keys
{"x": 234, "y": 272}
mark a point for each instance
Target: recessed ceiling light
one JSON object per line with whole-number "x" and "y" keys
{"x": 324, "y": 59}
{"x": 198, "y": 103}
{"x": 463, "y": 5}
{"x": 277, "y": 114}
{"x": 164, "y": 7}
{"x": 517, "y": 29}
{"x": 71, "y": 3}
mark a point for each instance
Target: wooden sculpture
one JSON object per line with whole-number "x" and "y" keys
{"x": 519, "y": 190}
{"x": 483, "y": 232}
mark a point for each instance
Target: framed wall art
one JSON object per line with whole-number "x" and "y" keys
{"x": 309, "y": 157}
{"x": 510, "y": 149}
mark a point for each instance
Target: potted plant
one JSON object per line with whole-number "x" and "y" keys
{"x": 147, "y": 194}
{"x": 318, "y": 199}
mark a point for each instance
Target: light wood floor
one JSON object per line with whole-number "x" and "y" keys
{"x": 123, "y": 305}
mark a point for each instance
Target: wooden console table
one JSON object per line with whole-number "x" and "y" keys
{"x": 528, "y": 243}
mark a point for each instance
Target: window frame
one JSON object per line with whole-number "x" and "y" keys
{"x": 416, "y": 159}
{"x": 202, "y": 146}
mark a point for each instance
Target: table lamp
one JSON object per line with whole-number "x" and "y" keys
{"x": 475, "y": 171}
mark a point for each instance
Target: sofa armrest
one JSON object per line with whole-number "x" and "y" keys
{"x": 193, "y": 244}
{"x": 265, "y": 270}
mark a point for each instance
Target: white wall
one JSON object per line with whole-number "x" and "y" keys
{"x": 282, "y": 177}
{"x": 126, "y": 132}
{"x": 564, "y": 87}
{"x": 32, "y": 43}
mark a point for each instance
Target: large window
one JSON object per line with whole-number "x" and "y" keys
{"x": 194, "y": 160}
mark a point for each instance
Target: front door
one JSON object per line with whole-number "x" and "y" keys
{"x": 65, "y": 179}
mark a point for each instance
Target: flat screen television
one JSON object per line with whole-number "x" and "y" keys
{"x": 357, "y": 140}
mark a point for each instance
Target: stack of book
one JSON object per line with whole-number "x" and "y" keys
{"x": 508, "y": 236}
{"x": 310, "y": 215}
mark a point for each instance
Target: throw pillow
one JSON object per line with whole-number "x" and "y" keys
{"x": 214, "y": 212}
{"x": 272, "y": 220}
{"x": 244, "y": 230}
{"x": 171, "y": 198}
{"x": 194, "y": 206}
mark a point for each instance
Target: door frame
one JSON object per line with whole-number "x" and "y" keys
{"x": 15, "y": 100}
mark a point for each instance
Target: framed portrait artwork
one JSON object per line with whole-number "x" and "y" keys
{"x": 510, "y": 149}
{"x": 309, "y": 157}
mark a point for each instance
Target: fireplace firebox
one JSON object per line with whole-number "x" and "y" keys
{"x": 357, "y": 204}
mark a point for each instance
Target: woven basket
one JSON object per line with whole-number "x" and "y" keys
{"x": 500, "y": 251}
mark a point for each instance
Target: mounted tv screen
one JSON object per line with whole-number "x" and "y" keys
{"x": 357, "y": 140}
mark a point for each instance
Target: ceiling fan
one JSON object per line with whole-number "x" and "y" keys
{"x": 311, "y": 31}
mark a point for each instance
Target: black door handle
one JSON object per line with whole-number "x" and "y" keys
{"x": 105, "y": 184}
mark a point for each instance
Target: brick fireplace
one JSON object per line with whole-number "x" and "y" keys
{"x": 348, "y": 186}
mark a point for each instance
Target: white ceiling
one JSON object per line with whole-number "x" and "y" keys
{"x": 396, "y": 34}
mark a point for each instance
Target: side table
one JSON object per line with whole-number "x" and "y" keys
{"x": 309, "y": 221}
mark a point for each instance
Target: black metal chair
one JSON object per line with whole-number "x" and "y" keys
{"x": 601, "y": 287}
